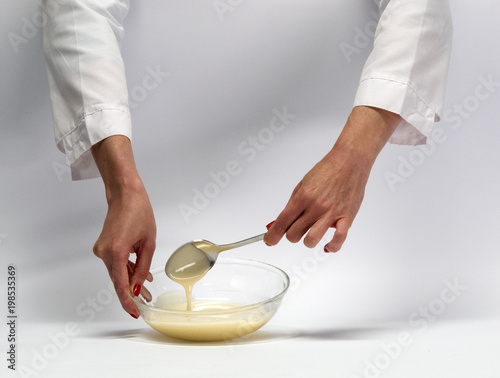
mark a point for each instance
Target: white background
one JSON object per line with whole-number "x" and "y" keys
{"x": 226, "y": 75}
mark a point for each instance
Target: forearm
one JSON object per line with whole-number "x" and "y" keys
{"x": 115, "y": 160}
{"x": 365, "y": 133}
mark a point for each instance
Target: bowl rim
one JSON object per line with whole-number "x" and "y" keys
{"x": 144, "y": 306}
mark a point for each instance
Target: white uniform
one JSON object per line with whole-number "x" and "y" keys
{"x": 405, "y": 73}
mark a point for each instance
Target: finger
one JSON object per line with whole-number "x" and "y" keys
{"x": 142, "y": 264}
{"x": 317, "y": 231}
{"x": 299, "y": 227}
{"x": 119, "y": 276}
{"x": 134, "y": 289}
{"x": 277, "y": 230}
{"x": 131, "y": 267}
{"x": 315, "y": 212}
{"x": 280, "y": 227}
{"x": 146, "y": 294}
{"x": 341, "y": 228}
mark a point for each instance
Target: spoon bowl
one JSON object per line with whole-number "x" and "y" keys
{"x": 191, "y": 261}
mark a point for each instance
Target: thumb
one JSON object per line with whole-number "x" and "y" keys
{"x": 142, "y": 266}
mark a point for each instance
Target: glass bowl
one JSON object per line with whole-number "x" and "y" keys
{"x": 235, "y": 298}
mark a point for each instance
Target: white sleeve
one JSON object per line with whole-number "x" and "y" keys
{"x": 86, "y": 75}
{"x": 407, "y": 70}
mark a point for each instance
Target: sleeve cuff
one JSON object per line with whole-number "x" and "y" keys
{"x": 400, "y": 98}
{"x": 94, "y": 127}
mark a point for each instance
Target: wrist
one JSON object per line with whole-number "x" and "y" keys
{"x": 115, "y": 161}
{"x": 123, "y": 187}
{"x": 366, "y": 132}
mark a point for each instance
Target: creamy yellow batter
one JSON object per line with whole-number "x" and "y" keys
{"x": 213, "y": 327}
{"x": 186, "y": 268}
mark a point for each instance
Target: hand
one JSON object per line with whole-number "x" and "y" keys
{"x": 330, "y": 195}
{"x": 129, "y": 226}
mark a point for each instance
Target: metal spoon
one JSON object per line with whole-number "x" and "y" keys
{"x": 193, "y": 260}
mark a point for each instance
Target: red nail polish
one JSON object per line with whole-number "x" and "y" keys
{"x": 137, "y": 290}
{"x": 135, "y": 317}
{"x": 270, "y": 224}
{"x": 326, "y": 250}
{"x": 267, "y": 244}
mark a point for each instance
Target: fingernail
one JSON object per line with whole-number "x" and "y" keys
{"x": 137, "y": 290}
{"x": 326, "y": 250}
{"x": 267, "y": 244}
{"x": 269, "y": 225}
{"x": 135, "y": 317}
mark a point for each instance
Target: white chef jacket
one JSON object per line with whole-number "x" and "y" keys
{"x": 405, "y": 73}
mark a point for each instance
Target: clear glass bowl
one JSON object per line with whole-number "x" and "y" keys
{"x": 235, "y": 298}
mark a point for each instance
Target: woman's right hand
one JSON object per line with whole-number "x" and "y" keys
{"x": 129, "y": 226}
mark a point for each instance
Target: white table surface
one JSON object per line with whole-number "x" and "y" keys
{"x": 130, "y": 349}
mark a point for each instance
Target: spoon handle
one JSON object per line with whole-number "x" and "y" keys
{"x": 254, "y": 239}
